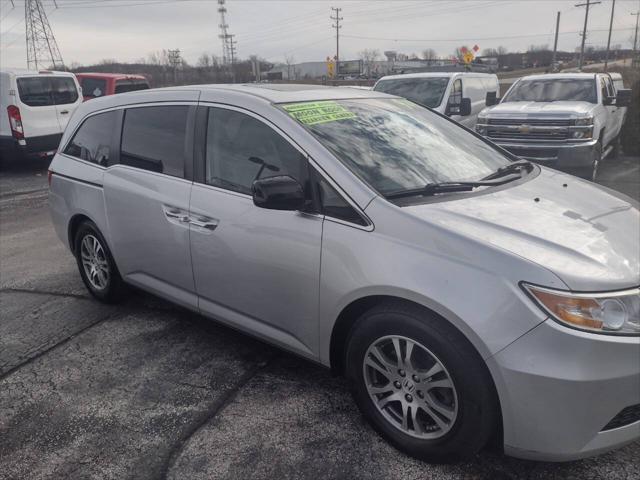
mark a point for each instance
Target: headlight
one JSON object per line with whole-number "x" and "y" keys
{"x": 584, "y": 121}
{"x": 583, "y": 133}
{"x": 612, "y": 312}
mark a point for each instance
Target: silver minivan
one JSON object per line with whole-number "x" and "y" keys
{"x": 465, "y": 294}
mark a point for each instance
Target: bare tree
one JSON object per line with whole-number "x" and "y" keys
{"x": 494, "y": 52}
{"x": 429, "y": 54}
{"x": 369, "y": 56}
{"x": 204, "y": 61}
{"x": 289, "y": 60}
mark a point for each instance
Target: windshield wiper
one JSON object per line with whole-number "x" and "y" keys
{"x": 513, "y": 167}
{"x": 448, "y": 187}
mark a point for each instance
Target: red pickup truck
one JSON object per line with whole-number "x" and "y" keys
{"x": 101, "y": 84}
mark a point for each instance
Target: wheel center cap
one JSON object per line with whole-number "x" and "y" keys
{"x": 408, "y": 386}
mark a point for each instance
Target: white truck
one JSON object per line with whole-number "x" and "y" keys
{"x": 459, "y": 95}
{"x": 568, "y": 121}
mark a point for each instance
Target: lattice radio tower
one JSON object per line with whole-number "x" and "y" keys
{"x": 228, "y": 43}
{"x": 42, "y": 48}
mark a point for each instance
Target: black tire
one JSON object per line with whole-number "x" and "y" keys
{"x": 616, "y": 148}
{"x": 477, "y": 404}
{"x": 591, "y": 172}
{"x": 114, "y": 288}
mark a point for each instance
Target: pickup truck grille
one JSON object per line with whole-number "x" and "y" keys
{"x": 532, "y": 121}
{"x": 529, "y": 129}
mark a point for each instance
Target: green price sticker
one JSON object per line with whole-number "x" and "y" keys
{"x": 313, "y": 113}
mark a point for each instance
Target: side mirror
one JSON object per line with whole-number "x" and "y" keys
{"x": 608, "y": 100}
{"x": 491, "y": 99}
{"x": 465, "y": 107}
{"x": 623, "y": 98}
{"x": 281, "y": 192}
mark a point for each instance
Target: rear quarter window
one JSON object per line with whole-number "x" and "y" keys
{"x": 92, "y": 141}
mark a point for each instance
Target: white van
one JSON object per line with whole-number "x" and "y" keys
{"x": 460, "y": 95}
{"x": 36, "y": 106}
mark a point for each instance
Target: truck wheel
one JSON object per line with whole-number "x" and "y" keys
{"x": 595, "y": 164}
{"x": 420, "y": 384}
{"x": 615, "y": 152}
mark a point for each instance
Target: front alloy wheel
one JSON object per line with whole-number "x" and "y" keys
{"x": 410, "y": 386}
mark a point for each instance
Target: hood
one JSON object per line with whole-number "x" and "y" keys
{"x": 585, "y": 234}
{"x": 538, "y": 109}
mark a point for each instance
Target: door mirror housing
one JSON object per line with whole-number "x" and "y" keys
{"x": 623, "y": 97}
{"x": 280, "y": 192}
{"x": 491, "y": 99}
{"x": 608, "y": 100}
{"x": 465, "y": 107}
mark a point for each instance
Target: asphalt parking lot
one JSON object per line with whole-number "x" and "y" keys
{"x": 148, "y": 390}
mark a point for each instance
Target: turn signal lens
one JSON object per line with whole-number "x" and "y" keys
{"x": 612, "y": 312}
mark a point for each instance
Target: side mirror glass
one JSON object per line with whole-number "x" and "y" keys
{"x": 465, "y": 107}
{"x": 281, "y": 192}
{"x": 491, "y": 99}
{"x": 623, "y": 98}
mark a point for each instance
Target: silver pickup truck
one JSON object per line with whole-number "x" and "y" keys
{"x": 568, "y": 121}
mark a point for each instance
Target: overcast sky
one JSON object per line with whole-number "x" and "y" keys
{"x": 88, "y": 31}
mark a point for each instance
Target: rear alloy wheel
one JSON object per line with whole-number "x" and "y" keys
{"x": 96, "y": 265}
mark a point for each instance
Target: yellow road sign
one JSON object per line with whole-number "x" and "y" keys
{"x": 468, "y": 57}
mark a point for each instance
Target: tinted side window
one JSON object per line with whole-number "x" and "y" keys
{"x": 93, "y": 87}
{"x": 333, "y": 205}
{"x": 455, "y": 97}
{"x": 92, "y": 141}
{"x": 154, "y": 138}
{"x": 35, "y": 91}
{"x": 241, "y": 149}
{"x": 64, "y": 90}
{"x": 127, "y": 86}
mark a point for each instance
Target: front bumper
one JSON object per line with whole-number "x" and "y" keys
{"x": 556, "y": 155}
{"x": 561, "y": 388}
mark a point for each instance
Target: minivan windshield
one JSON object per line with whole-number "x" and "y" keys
{"x": 427, "y": 91}
{"x": 553, "y": 90}
{"x": 395, "y": 145}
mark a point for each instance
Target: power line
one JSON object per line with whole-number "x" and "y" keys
{"x": 462, "y": 39}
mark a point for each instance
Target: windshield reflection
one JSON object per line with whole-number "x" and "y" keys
{"x": 395, "y": 145}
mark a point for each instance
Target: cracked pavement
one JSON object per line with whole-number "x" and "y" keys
{"x": 146, "y": 389}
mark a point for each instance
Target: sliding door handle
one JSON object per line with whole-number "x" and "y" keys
{"x": 206, "y": 223}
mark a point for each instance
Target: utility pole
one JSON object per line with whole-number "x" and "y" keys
{"x": 232, "y": 53}
{"x": 175, "y": 61}
{"x": 635, "y": 40}
{"x": 42, "y": 48}
{"x": 606, "y": 55}
{"x": 584, "y": 30}
{"x": 555, "y": 42}
{"x": 337, "y": 26}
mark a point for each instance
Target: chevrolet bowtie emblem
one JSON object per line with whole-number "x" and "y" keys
{"x": 525, "y": 128}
